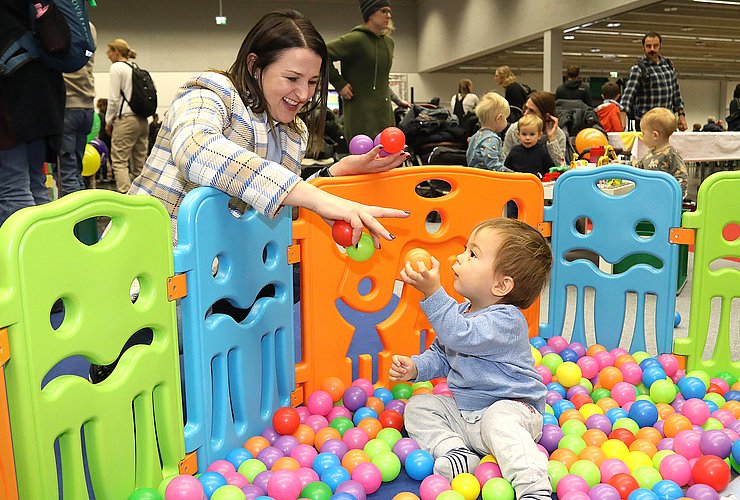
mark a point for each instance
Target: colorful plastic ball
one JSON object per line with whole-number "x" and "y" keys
{"x": 403, "y": 447}
{"x": 467, "y": 485}
{"x": 623, "y": 393}
{"x": 486, "y": 471}
{"x": 285, "y": 420}
{"x": 569, "y": 355}
{"x": 316, "y": 490}
{"x": 250, "y": 468}
{"x": 551, "y": 361}
{"x": 450, "y": 495}
{"x": 319, "y": 403}
{"x": 604, "y": 491}
{"x": 335, "y": 447}
{"x": 352, "y": 488}
{"x": 389, "y": 435}
{"x": 184, "y": 487}
{"x": 284, "y": 485}
{"x": 667, "y": 490}
{"x": 663, "y": 391}
{"x": 365, "y": 384}
{"x": 362, "y": 251}
{"x": 416, "y": 256}
{"x": 497, "y": 489}
{"x": 568, "y": 373}
{"x": 392, "y": 419}
{"x": 433, "y": 486}
{"x": 676, "y": 320}
{"x": 642, "y": 494}
{"x": 392, "y": 139}
{"x": 644, "y": 413}
{"x": 334, "y": 476}
{"x": 588, "y": 470}
{"x": 211, "y": 481}
{"x": 355, "y": 438}
{"x": 360, "y": 144}
{"x": 551, "y": 436}
{"x": 652, "y": 374}
{"x": 589, "y": 366}
{"x": 237, "y": 456}
{"x": 419, "y": 464}
{"x": 646, "y": 476}
{"x": 363, "y": 413}
{"x": 256, "y": 444}
{"x": 342, "y": 424}
{"x": 692, "y": 387}
{"x": 676, "y": 468}
{"x": 341, "y": 232}
{"x": 262, "y": 479}
{"x": 599, "y": 394}
{"x": 715, "y": 442}
{"x": 145, "y": 494}
{"x": 600, "y": 422}
{"x": 368, "y": 475}
{"x": 252, "y": 491}
{"x": 611, "y": 467}
{"x": 405, "y": 495}
{"x": 401, "y": 391}
{"x": 229, "y": 492}
{"x": 571, "y": 482}
{"x": 624, "y": 484}
{"x": 537, "y": 342}
{"x": 388, "y": 464}
{"x": 712, "y": 471}
{"x": 701, "y": 492}
{"x": 375, "y": 447}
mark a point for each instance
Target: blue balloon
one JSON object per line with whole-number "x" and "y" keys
{"x": 419, "y": 464}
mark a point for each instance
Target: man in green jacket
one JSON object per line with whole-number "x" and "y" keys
{"x": 366, "y": 55}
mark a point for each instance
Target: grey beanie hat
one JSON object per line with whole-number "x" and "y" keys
{"x": 368, "y": 7}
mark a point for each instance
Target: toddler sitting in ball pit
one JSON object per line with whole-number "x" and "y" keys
{"x": 482, "y": 348}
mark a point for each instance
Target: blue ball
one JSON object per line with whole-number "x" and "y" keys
{"x": 676, "y": 320}
{"x": 736, "y": 451}
{"x": 342, "y": 496}
{"x": 712, "y": 406}
{"x": 419, "y": 464}
{"x": 645, "y": 363}
{"x": 615, "y": 414}
{"x": 334, "y": 476}
{"x": 667, "y": 490}
{"x": 732, "y": 396}
{"x": 211, "y": 481}
{"x": 642, "y": 494}
{"x": 569, "y": 355}
{"x": 644, "y": 413}
{"x": 554, "y": 386}
{"x": 559, "y": 406}
{"x": 537, "y": 342}
{"x": 548, "y": 418}
{"x": 238, "y": 456}
{"x": 652, "y": 374}
{"x": 324, "y": 461}
{"x": 692, "y": 387}
{"x": 363, "y": 413}
{"x": 383, "y": 394}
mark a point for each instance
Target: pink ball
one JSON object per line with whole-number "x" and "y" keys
{"x": 618, "y": 351}
{"x": 631, "y": 372}
{"x": 236, "y": 479}
{"x": 355, "y": 438}
{"x": 432, "y": 486}
{"x": 721, "y": 383}
{"x": 558, "y": 343}
{"x": 284, "y": 485}
{"x": 365, "y": 384}
{"x": 306, "y": 475}
{"x": 543, "y": 450}
{"x": 589, "y": 366}
{"x": 669, "y": 364}
{"x": 368, "y": 475}
{"x": 696, "y": 410}
{"x": 320, "y": 403}
{"x": 545, "y": 373}
{"x": 440, "y": 387}
{"x": 317, "y": 422}
{"x": 486, "y": 471}
{"x": 623, "y": 392}
{"x": 686, "y": 443}
{"x": 575, "y": 495}
{"x": 734, "y": 436}
{"x": 304, "y": 454}
{"x": 611, "y": 467}
{"x": 604, "y": 358}
{"x": 678, "y": 376}
{"x": 338, "y": 411}
{"x": 726, "y": 417}
{"x": 676, "y": 468}
{"x": 222, "y": 467}
{"x": 303, "y": 413}
{"x": 571, "y": 482}
{"x": 184, "y": 488}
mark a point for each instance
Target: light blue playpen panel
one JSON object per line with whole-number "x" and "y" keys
{"x": 656, "y": 197}
{"x": 236, "y": 373}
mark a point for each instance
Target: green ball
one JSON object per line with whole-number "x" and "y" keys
{"x": 712, "y": 424}
{"x": 424, "y": 383}
{"x": 250, "y": 468}
{"x": 401, "y": 391}
{"x": 733, "y": 463}
{"x": 715, "y": 398}
{"x": 600, "y": 393}
{"x": 644, "y": 397}
{"x": 588, "y": 470}
{"x": 640, "y": 356}
{"x": 642, "y": 389}
{"x": 576, "y": 444}
{"x": 556, "y": 470}
{"x": 145, "y": 494}
{"x": 727, "y": 377}
{"x": 341, "y": 424}
{"x": 375, "y": 447}
{"x": 364, "y": 249}
{"x": 388, "y": 464}
{"x": 316, "y": 491}
{"x": 551, "y": 361}
{"x": 228, "y": 492}
{"x": 587, "y": 384}
{"x": 574, "y": 427}
{"x": 389, "y": 435}
{"x": 497, "y": 488}
{"x": 701, "y": 375}
{"x": 663, "y": 391}
{"x": 450, "y": 495}
{"x": 163, "y": 485}
{"x": 626, "y": 423}
{"x": 646, "y": 476}
{"x": 548, "y": 409}
{"x": 659, "y": 456}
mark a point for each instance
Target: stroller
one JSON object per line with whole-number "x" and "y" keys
{"x": 429, "y": 128}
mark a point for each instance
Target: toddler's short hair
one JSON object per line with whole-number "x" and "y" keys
{"x": 530, "y": 120}
{"x": 610, "y": 90}
{"x": 524, "y": 255}
{"x": 661, "y": 119}
{"x": 489, "y": 106}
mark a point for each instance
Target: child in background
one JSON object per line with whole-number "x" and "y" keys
{"x": 483, "y": 349}
{"x": 611, "y": 113}
{"x": 530, "y": 156}
{"x": 657, "y": 125}
{"x": 485, "y": 146}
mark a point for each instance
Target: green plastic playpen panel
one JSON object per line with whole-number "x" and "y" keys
{"x": 131, "y": 423}
{"x": 717, "y": 206}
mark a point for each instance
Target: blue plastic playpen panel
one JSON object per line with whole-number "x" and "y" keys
{"x": 612, "y": 235}
{"x": 239, "y": 367}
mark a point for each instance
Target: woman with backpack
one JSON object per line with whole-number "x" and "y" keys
{"x": 463, "y": 103}
{"x": 129, "y": 132}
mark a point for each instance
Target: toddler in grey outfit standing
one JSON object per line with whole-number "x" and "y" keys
{"x": 482, "y": 347}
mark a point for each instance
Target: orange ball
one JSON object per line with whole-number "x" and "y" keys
{"x": 580, "y": 399}
{"x": 651, "y": 434}
{"x": 624, "y": 358}
{"x": 594, "y": 437}
{"x": 370, "y": 425}
{"x": 565, "y": 456}
{"x": 664, "y": 409}
{"x": 733, "y": 407}
{"x": 325, "y": 434}
{"x": 334, "y": 386}
{"x": 571, "y": 415}
{"x": 609, "y": 376}
{"x": 676, "y": 423}
{"x": 416, "y": 255}
{"x": 593, "y": 453}
{"x": 256, "y": 444}
{"x": 405, "y": 495}
{"x": 593, "y": 349}
{"x": 422, "y": 390}
{"x": 736, "y": 386}
{"x": 645, "y": 446}
{"x": 286, "y": 463}
{"x": 589, "y": 138}
{"x": 376, "y": 404}
{"x": 304, "y": 435}
{"x": 607, "y": 404}
{"x": 353, "y": 458}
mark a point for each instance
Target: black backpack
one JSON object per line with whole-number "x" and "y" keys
{"x": 574, "y": 115}
{"x": 143, "y": 93}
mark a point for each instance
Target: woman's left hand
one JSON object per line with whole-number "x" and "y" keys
{"x": 368, "y": 163}
{"x": 551, "y": 127}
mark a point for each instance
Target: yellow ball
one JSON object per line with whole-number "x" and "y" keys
{"x": 536, "y": 354}
{"x": 614, "y": 448}
{"x": 467, "y": 485}
{"x": 568, "y": 374}
{"x": 488, "y": 458}
{"x": 637, "y": 459}
{"x": 590, "y": 409}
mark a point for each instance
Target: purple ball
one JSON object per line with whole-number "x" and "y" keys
{"x": 353, "y": 488}
{"x": 261, "y": 479}
{"x": 576, "y": 389}
{"x": 735, "y": 426}
{"x": 546, "y": 349}
{"x": 599, "y": 421}
{"x": 354, "y": 398}
{"x": 578, "y": 348}
{"x": 552, "y": 396}
{"x": 403, "y": 447}
{"x": 270, "y": 434}
{"x": 551, "y": 436}
{"x": 604, "y": 491}
{"x": 715, "y": 442}
{"x": 252, "y": 491}
{"x": 269, "y": 456}
{"x": 702, "y": 492}
{"x": 335, "y": 447}
{"x": 360, "y": 144}
{"x": 665, "y": 444}
{"x": 286, "y": 444}
{"x": 396, "y": 404}
{"x": 659, "y": 426}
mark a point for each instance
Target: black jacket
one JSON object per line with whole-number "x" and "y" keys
{"x": 574, "y": 89}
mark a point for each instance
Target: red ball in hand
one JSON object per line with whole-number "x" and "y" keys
{"x": 392, "y": 139}
{"x": 341, "y": 231}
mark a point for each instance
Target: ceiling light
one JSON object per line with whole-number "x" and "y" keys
{"x": 571, "y": 29}
{"x": 613, "y": 25}
{"x": 569, "y": 37}
{"x": 595, "y": 50}
{"x": 687, "y": 28}
{"x": 723, "y": 2}
{"x": 671, "y": 9}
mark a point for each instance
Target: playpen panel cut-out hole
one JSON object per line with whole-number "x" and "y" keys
{"x": 569, "y": 318}
{"x": 724, "y": 263}
{"x": 630, "y": 320}
{"x": 731, "y": 232}
{"x": 615, "y": 187}
{"x": 220, "y": 267}
{"x": 433, "y": 188}
{"x": 135, "y": 290}
{"x": 589, "y": 321}
{"x": 238, "y": 409}
{"x": 583, "y": 226}
{"x": 735, "y": 329}
{"x": 228, "y": 307}
{"x": 715, "y": 312}
{"x": 644, "y": 229}
{"x": 86, "y": 231}
{"x": 365, "y": 286}
{"x": 57, "y": 313}
{"x": 270, "y": 256}
{"x": 433, "y": 222}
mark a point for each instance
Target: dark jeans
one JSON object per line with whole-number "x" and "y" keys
{"x": 22, "y": 181}
{"x": 77, "y": 124}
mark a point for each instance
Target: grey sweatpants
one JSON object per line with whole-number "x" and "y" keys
{"x": 507, "y": 430}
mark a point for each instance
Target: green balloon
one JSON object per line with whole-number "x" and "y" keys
{"x": 576, "y": 444}
{"x": 163, "y": 485}
{"x": 145, "y": 494}
{"x": 600, "y": 393}
{"x": 401, "y": 391}
{"x": 450, "y": 495}
{"x": 250, "y": 468}
{"x": 574, "y": 427}
{"x": 556, "y": 470}
{"x": 626, "y": 423}
{"x": 316, "y": 491}
{"x": 646, "y": 476}
{"x": 228, "y": 492}
{"x": 663, "y": 391}
{"x": 588, "y": 470}
{"x": 389, "y": 435}
{"x": 388, "y": 464}
{"x": 497, "y": 488}
{"x": 375, "y": 447}
{"x": 95, "y": 130}
{"x": 341, "y": 424}
{"x": 364, "y": 249}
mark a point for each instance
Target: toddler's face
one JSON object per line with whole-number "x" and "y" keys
{"x": 529, "y": 136}
{"x": 648, "y": 135}
{"x": 473, "y": 268}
